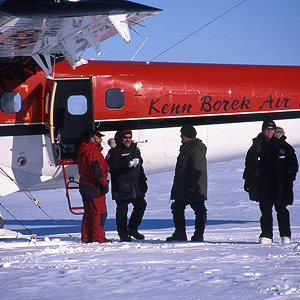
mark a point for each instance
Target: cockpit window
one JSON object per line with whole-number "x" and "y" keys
{"x": 77, "y": 105}
{"x": 114, "y": 98}
{"x": 10, "y": 102}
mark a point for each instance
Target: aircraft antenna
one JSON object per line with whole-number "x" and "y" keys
{"x": 139, "y": 49}
{"x": 215, "y": 19}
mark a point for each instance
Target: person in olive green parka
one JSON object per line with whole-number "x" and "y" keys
{"x": 190, "y": 185}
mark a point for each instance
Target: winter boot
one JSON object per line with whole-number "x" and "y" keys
{"x": 200, "y": 224}
{"x": 197, "y": 238}
{"x": 177, "y": 236}
{"x": 135, "y": 234}
{"x": 125, "y": 238}
{"x": 198, "y": 234}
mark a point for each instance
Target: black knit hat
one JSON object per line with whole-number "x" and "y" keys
{"x": 120, "y": 133}
{"x": 189, "y": 131}
{"x": 124, "y": 131}
{"x": 268, "y": 123}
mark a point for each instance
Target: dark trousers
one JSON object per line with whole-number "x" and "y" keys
{"x": 178, "y": 211}
{"x": 266, "y": 220}
{"x": 139, "y": 207}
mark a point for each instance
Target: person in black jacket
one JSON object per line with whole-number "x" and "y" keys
{"x": 128, "y": 184}
{"x": 190, "y": 185}
{"x": 270, "y": 168}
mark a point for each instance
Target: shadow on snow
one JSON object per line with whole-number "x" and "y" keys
{"x": 48, "y": 227}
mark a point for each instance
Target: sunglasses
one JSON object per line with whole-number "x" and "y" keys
{"x": 269, "y": 128}
{"x": 127, "y": 137}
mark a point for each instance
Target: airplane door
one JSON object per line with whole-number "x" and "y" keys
{"x": 73, "y": 114}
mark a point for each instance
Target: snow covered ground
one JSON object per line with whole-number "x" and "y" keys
{"x": 230, "y": 264}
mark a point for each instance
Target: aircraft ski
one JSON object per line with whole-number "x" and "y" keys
{"x": 12, "y": 239}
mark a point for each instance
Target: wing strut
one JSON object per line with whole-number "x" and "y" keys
{"x": 68, "y": 44}
{"x": 46, "y": 66}
{"x": 67, "y": 47}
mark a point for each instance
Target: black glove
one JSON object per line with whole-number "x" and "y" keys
{"x": 104, "y": 190}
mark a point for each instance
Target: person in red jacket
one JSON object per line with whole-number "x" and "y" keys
{"x": 93, "y": 186}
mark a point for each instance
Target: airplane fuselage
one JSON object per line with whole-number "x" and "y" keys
{"x": 42, "y": 119}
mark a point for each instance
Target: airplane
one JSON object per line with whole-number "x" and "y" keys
{"x": 49, "y": 97}
{"x": 35, "y": 35}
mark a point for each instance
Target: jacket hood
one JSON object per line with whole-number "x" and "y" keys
{"x": 118, "y": 138}
{"x": 280, "y": 134}
{"x": 195, "y": 141}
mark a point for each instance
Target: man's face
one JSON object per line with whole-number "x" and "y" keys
{"x": 127, "y": 139}
{"x": 184, "y": 139}
{"x": 269, "y": 132}
{"x": 97, "y": 140}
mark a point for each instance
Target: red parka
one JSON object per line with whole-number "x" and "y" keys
{"x": 93, "y": 186}
{"x": 92, "y": 167}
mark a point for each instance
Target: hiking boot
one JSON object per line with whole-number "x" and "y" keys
{"x": 125, "y": 238}
{"x": 177, "y": 237}
{"x": 197, "y": 238}
{"x": 136, "y": 234}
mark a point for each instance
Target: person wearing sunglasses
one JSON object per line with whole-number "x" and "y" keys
{"x": 129, "y": 184}
{"x": 270, "y": 168}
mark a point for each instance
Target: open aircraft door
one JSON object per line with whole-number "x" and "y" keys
{"x": 71, "y": 114}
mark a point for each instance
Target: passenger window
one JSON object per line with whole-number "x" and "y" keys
{"x": 77, "y": 105}
{"x": 10, "y": 102}
{"x": 114, "y": 98}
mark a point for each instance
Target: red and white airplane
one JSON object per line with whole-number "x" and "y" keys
{"x": 46, "y": 103}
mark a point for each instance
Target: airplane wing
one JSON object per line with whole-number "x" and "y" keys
{"x": 42, "y": 29}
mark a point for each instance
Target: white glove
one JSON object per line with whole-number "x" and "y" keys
{"x": 133, "y": 163}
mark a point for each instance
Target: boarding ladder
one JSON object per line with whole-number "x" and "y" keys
{"x": 70, "y": 184}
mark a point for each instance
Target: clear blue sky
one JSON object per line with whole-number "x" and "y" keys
{"x": 265, "y": 32}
